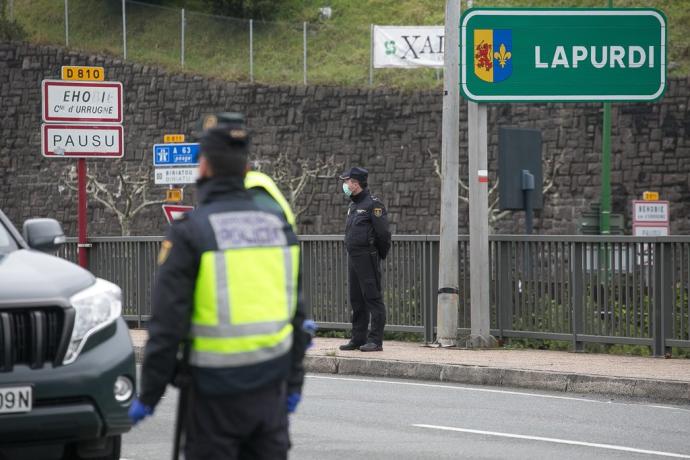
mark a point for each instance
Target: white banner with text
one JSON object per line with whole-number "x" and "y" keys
{"x": 408, "y": 46}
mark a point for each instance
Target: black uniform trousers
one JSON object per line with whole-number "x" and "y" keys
{"x": 247, "y": 426}
{"x": 364, "y": 275}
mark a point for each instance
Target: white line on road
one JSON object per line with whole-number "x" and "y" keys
{"x": 487, "y": 390}
{"x": 555, "y": 441}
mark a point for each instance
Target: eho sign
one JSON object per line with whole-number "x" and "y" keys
{"x": 562, "y": 55}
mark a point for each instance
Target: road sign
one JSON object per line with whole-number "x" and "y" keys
{"x": 174, "y": 195}
{"x": 563, "y": 54}
{"x": 650, "y": 230}
{"x": 176, "y": 154}
{"x": 175, "y": 211}
{"x": 173, "y": 138}
{"x": 73, "y": 101}
{"x": 78, "y": 72}
{"x": 82, "y": 141}
{"x": 176, "y": 176}
{"x": 650, "y": 196}
{"x": 650, "y": 212}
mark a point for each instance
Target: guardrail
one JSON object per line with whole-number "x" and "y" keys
{"x": 596, "y": 289}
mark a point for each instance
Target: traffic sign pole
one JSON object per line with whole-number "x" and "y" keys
{"x": 605, "y": 205}
{"x": 82, "y": 203}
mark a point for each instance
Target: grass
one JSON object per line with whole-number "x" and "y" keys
{"x": 338, "y": 48}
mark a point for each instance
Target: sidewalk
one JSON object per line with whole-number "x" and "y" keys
{"x": 632, "y": 376}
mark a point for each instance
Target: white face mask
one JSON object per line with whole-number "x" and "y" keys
{"x": 346, "y": 189}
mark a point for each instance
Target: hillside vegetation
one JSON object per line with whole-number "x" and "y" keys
{"x": 337, "y": 48}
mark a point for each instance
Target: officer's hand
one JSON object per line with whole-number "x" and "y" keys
{"x": 139, "y": 411}
{"x": 310, "y": 327}
{"x": 292, "y": 400}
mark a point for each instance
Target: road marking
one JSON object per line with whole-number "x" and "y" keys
{"x": 453, "y": 387}
{"x": 555, "y": 441}
{"x": 487, "y": 390}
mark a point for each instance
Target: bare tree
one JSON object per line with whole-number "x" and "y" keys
{"x": 125, "y": 196}
{"x": 552, "y": 165}
{"x": 295, "y": 176}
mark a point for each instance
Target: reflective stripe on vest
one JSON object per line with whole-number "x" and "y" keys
{"x": 255, "y": 179}
{"x": 244, "y": 301}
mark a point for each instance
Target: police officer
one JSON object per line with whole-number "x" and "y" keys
{"x": 229, "y": 281}
{"x": 367, "y": 240}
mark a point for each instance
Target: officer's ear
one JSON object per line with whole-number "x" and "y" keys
{"x": 205, "y": 169}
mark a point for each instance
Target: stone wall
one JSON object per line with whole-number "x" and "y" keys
{"x": 394, "y": 134}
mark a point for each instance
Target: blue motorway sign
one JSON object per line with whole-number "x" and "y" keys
{"x": 176, "y": 154}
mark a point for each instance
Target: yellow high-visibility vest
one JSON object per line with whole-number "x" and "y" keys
{"x": 255, "y": 179}
{"x": 246, "y": 291}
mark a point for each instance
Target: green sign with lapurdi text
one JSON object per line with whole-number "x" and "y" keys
{"x": 545, "y": 55}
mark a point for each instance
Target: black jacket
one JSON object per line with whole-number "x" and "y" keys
{"x": 173, "y": 303}
{"x": 366, "y": 228}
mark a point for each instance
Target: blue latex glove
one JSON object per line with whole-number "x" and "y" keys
{"x": 139, "y": 411}
{"x": 310, "y": 327}
{"x": 292, "y": 400}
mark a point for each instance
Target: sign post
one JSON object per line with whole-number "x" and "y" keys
{"x": 82, "y": 118}
{"x": 548, "y": 55}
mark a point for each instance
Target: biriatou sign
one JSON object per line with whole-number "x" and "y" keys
{"x": 513, "y": 55}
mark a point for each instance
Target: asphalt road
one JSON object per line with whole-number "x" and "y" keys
{"x": 352, "y": 417}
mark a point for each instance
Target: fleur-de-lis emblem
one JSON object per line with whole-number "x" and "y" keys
{"x": 502, "y": 55}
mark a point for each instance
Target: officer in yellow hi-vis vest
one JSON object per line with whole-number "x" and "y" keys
{"x": 229, "y": 284}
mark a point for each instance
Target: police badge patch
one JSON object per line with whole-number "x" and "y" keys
{"x": 378, "y": 212}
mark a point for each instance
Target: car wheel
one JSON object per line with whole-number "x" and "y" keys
{"x": 99, "y": 449}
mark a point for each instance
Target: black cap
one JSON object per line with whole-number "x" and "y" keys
{"x": 357, "y": 173}
{"x": 223, "y": 130}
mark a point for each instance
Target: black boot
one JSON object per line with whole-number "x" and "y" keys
{"x": 349, "y": 346}
{"x": 371, "y": 346}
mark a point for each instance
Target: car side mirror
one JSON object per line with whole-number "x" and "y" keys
{"x": 43, "y": 234}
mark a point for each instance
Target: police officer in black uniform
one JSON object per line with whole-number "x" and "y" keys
{"x": 239, "y": 397}
{"x": 367, "y": 240}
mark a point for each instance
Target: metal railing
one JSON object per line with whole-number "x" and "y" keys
{"x": 582, "y": 289}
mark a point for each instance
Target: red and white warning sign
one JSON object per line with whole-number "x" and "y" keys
{"x": 82, "y": 102}
{"x": 82, "y": 141}
{"x": 175, "y": 211}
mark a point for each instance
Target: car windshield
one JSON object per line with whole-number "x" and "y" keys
{"x": 7, "y": 243}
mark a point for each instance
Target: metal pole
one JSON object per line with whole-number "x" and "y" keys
{"x": 124, "y": 31}
{"x": 251, "y": 50}
{"x": 479, "y": 226}
{"x": 305, "y": 52}
{"x": 81, "y": 213}
{"x": 182, "y": 38}
{"x": 447, "y": 310}
{"x": 67, "y": 23}
{"x": 605, "y": 206}
{"x": 10, "y": 12}
{"x": 371, "y": 54}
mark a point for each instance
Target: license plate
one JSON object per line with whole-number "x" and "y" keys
{"x": 15, "y": 399}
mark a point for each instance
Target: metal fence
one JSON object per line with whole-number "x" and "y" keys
{"x": 582, "y": 289}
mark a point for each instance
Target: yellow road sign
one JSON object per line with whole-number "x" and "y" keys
{"x": 173, "y": 195}
{"x": 173, "y": 138}
{"x": 79, "y": 72}
{"x": 650, "y": 196}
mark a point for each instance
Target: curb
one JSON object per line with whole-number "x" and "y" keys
{"x": 659, "y": 390}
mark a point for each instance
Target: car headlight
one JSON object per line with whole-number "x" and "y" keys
{"x": 96, "y": 307}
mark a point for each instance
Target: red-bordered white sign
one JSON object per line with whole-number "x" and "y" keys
{"x": 175, "y": 211}
{"x": 82, "y": 102}
{"x": 82, "y": 141}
